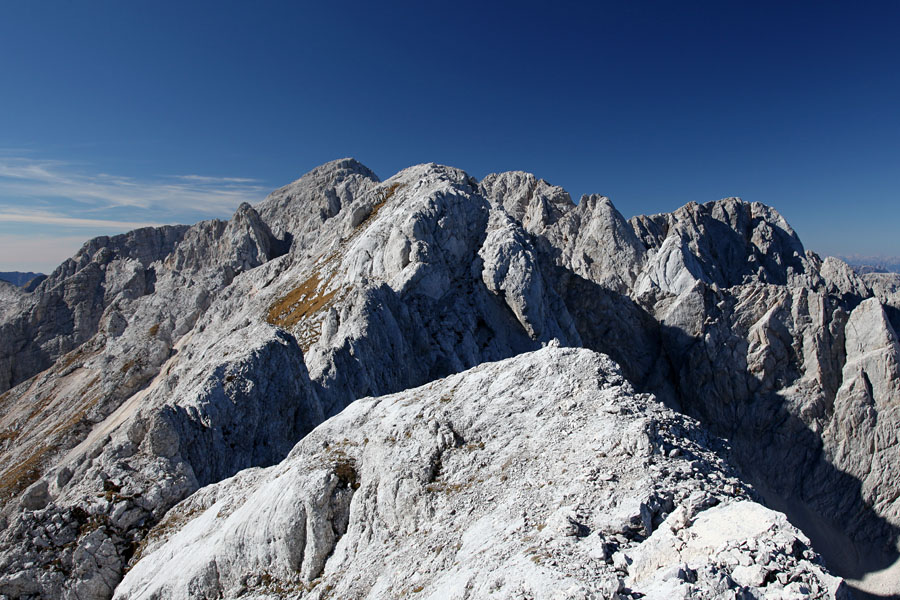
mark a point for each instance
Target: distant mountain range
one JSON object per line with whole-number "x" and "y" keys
{"x": 873, "y": 264}
{"x": 19, "y": 278}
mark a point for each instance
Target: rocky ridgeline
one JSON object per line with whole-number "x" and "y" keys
{"x": 159, "y": 362}
{"x": 543, "y": 475}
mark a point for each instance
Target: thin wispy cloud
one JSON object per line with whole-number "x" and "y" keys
{"x": 206, "y": 179}
{"x": 44, "y": 218}
{"x": 46, "y": 205}
{"x": 25, "y": 178}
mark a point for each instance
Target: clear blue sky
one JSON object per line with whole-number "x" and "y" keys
{"x": 115, "y": 114}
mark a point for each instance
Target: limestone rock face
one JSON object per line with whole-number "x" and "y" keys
{"x": 886, "y": 287}
{"x": 243, "y": 357}
{"x": 297, "y": 212}
{"x": 595, "y": 243}
{"x": 73, "y": 431}
{"x": 10, "y": 295}
{"x": 152, "y": 366}
{"x": 533, "y": 203}
{"x": 66, "y": 309}
{"x": 537, "y": 475}
{"x": 728, "y": 242}
{"x": 511, "y": 271}
{"x": 750, "y": 547}
{"x": 867, "y": 409}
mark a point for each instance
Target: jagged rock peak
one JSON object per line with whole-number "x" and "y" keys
{"x": 341, "y": 167}
{"x": 725, "y": 242}
{"x": 591, "y": 201}
{"x": 533, "y": 202}
{"x": 596, "y": 242}
{"x": 145, "y": 245}
{"x": 298, "y": 210}
{"x": 330, "y": 174}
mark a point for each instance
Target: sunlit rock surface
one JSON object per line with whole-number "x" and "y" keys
{"x": 156, "y": 363}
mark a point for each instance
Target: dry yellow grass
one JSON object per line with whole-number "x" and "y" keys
{"x": 39, "y": 408}
{"x": 301, "y": 302}
{"x": 383, "y": 196}
{"x": 69, "y": 359}
{"x": 76, "y": 417}
{"x": 15, "y": 478}
{"x": 296, "y": 309}
{"x": 39, "y": 435}
{"x": 8, "y": 435}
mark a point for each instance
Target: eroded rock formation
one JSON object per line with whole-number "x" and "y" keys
{"x": 156, "y": 363}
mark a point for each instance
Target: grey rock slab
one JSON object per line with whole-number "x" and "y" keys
{"x": 481, "y": 483}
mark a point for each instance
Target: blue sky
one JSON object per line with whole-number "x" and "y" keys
{"x": 118, "y": 114}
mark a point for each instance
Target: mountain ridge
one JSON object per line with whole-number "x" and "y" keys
{"x": 162, "y": 358}
{"x": 26, "y": 280}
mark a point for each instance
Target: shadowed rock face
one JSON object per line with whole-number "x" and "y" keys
{"x": 158, "y": 362}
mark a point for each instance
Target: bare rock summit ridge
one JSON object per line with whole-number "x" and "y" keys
{"x": 433, "y": 385}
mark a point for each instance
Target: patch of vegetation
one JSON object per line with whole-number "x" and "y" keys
{"x": 274, "y": 584}
{"x": 41, "y": 405}
{"x": 71, "y": 357}
{"x": 384, "y": 195}
{"x": 92, "y": 523}
{"x": 153, "y": 330}
{"x": 346, "y": 473}
{"x": 8, "y": 435}
{"x": 538, "y": 555}
{"x": 15, "y": 478}
{"x": 111, "y": 490}
{"x": 169, "y": 526}
{"x": 343, "y": 466}
{"x": 450, "y": 488}
{"x": 300, "y": 303}
{"x": 78, "y": 415}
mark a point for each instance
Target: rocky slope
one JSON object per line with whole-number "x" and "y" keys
{"x": 540, "y": 476}
{"x": 156, "y": 363}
